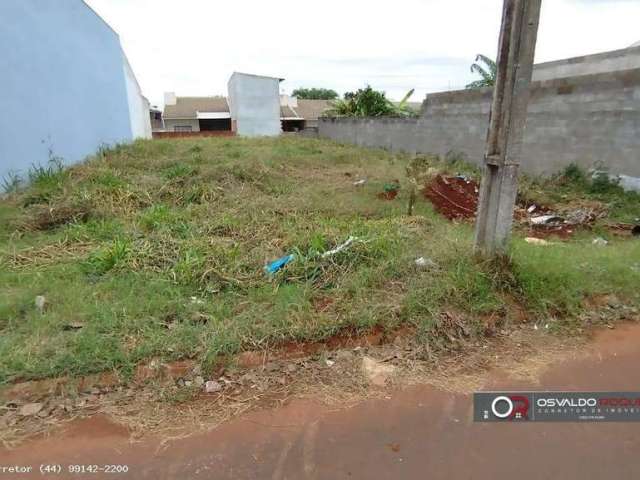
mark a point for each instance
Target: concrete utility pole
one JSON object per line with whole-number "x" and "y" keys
{"x": 508, "y": 117}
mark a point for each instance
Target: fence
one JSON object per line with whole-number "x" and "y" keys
{"x": 590, "y": 120}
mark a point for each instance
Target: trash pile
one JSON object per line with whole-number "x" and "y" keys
{"x": 543, "y": 222}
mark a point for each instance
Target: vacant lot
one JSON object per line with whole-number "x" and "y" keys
{"x": 157, "y": 249}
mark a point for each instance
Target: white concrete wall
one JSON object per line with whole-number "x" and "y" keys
{"x": 138, "y": 104}
{"x": 63, "y": 86}
{"x": 254, "y": 103}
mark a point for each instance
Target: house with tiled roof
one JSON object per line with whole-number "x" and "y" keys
{"x": 195, "y": 114}
{"x": 253, "y": 107}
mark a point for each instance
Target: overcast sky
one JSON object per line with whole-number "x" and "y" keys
{"x": 192, "y": 46}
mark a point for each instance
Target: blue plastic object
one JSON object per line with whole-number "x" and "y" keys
{"x": 276, "y": 265}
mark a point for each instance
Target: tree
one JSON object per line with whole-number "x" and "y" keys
{"x": 367, "y": 102}
{"x": 487, "y": 72}
{"x": 315, "y": 93}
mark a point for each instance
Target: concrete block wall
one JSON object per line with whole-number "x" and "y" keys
{"x": 591, "y": 120}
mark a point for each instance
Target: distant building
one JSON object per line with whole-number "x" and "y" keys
{"x": 67, "y": 87}
{"x": 299, "y": 114}
{"x": 195, "y": 114}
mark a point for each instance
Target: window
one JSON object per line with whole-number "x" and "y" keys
{"x": 182, "y": 128}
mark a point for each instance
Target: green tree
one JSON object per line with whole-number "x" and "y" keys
{"x": 315, "y": 93}
{"x": 487, "y": 69}
{"x": 367, "y": 102}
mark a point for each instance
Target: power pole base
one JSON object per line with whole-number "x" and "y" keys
{"x": 498, "y": 193}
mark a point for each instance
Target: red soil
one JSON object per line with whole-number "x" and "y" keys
{"x": 387, "y": 195}
{"x": 453, "y": 197}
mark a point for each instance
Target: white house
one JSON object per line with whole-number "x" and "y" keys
{"x": 66, "y": 84}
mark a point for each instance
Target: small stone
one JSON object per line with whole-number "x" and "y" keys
{"x": 292, "y": 367}
{"x": 212, "y": 386}
{"x": 376, "y": 372}
{"x": 198, "y": 381}
{"x": 30, "y": 409}
{"x": 188, "y": 383}
{"x": 40, "y": 302}
{"x": 330, "y": 363}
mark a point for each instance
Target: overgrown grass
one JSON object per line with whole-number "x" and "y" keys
{"x": 168, "y": 262}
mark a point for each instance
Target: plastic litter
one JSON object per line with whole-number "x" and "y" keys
{"x": 532, "y": 208}
{"x": 546, "y": 219}
{"x": 600, "y": 242}
{"x": 276, "y": 265}
{"x": 40, "y": 303}
{"x": 536, "y": 241}
{"x": 422, "y": 262}
{"x": 340, "y": 247}
{"x": 360, "y": 183}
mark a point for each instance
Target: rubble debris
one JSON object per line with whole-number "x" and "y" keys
{"x": 278, "y": 264}
{"x": 453, "y": 197}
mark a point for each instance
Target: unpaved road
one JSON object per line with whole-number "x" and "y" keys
{"x": 415, "y": 433}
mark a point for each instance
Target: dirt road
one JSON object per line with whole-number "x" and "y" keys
{"x": 417, "y": 433}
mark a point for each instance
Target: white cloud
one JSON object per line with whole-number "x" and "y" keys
{"x": 193, "y": 46}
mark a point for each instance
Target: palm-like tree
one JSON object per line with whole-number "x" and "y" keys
{"x": 487, "y": 69}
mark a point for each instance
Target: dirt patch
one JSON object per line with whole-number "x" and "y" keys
{"x": 454, "y": 197}
{"x": 390, "y": 195}
{"x": 50, "y": 217}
